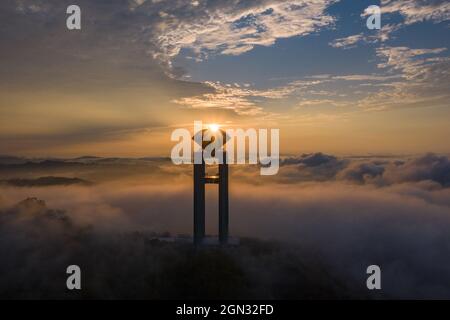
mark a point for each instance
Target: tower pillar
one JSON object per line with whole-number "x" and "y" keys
{"x": 223, "y": 200}
{"x": 199, "y": 203}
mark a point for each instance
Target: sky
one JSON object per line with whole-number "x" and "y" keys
{"x": 138, "y": 69}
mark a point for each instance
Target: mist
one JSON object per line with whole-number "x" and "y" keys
{"x": 402, "y": 224}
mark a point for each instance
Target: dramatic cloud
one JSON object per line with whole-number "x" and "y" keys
{"x": 167, "y": 27}
{"x": 232, "y": 27}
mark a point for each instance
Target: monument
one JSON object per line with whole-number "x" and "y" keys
{"x": 201, "y": 179}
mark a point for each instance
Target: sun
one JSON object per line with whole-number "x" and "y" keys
{"x": 214, "y": 127}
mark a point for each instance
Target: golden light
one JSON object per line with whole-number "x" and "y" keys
{"x": 214, "y": 127}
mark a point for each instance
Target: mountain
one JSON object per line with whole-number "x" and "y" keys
{"x": 45, "y": 182}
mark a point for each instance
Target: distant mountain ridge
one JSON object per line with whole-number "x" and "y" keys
{"x": 14, "y": 161}
{"x": 45, "y": 182}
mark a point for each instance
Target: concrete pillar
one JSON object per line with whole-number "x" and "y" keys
{"x": 199, "y": 203}
{"x": 223, "y": 201}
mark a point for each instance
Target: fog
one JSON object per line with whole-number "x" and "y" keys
{"x": 400, "y": 222}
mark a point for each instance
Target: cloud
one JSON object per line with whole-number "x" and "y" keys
{"x": 424, "y": 72}
{"x": 362, "y": 172}
{"x": 241, "y": 100}
{"x": 428, "y": 171}
{"x": 404, "y": 227}
{"x": 38, "y": 243}
{"x": 310, "y": 160}
{"x": 365, "y": 77}
{"x": 88, "y": 89}
{"x": 231, "y": 98}
{"x": 244, "y": 100}
{"x": 358, "y": 227}
{"x": 385, "y": 33}
{"x": 413, "y": 11}
{"x": 44, "y": 182}
{"x": 418, "y": 10}
{"x": 127, "y": 47}
{"x": 320, "y": 102}
{"x": 348, "y": 42}
{"x": 407, "y": 77}
{"x": 429, "y": 167}
{"x": 411, "y": 62}
{"x": 233, "y": 27}
{"x": 382, "y": 35}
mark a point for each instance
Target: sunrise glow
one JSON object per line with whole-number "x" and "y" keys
{"x": 214, "y": 127}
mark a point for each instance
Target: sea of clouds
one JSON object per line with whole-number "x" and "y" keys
{"x": 352, "y": 212}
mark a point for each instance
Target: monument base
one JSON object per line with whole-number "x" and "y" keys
{"x": 208, "y": 241}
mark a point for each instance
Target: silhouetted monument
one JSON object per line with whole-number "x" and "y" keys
{"x": 200, "y": 182}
